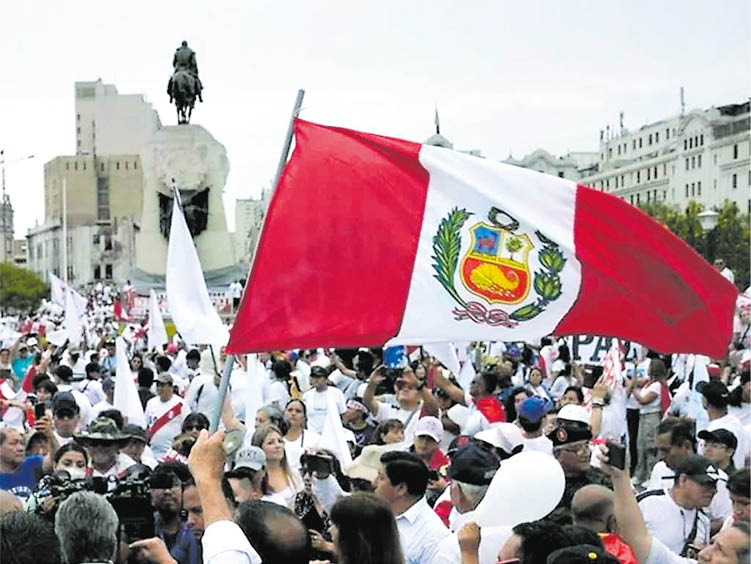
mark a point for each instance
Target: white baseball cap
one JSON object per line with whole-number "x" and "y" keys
{"x": 251, "y": 457}
{"x": 573, "y": 412}
{"x": 429, "y": 426}
{"x": 506, "y": 436}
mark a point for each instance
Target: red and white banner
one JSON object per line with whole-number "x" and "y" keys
{"x": 371, "y": 240}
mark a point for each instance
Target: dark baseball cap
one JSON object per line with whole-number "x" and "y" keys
{"x": 720, "y": 436}
{"x": 581, "y": 554}
{"x": 698, "y": 469}
{"x": 64, "y": 403}
{"x": 474, "y": 464}
{"x": 715, "y": 391}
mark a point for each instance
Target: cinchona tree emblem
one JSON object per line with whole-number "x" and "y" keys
{"x": 495, "y": 268}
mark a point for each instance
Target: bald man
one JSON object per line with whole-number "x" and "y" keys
{"x": 9, "y": 503}
{"x": 592, "y": 508}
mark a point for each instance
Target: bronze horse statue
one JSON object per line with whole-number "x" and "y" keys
{"x": 183, "y": 88}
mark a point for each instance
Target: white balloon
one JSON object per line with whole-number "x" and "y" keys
{"x": 527, "y": 487}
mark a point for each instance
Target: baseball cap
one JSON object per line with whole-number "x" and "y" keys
{"x": 565, "y": 433}
{"x": 715, "y": 391}
{"x": 506, "y": 436}
{"x": 164, "y": 378}
{"x": 429, "y": 426}
{"x": 533, "y": 409}
{"x": 250, "y": 457}
{"x": 64, "y": 402}
{"x": 575, "y": 413}
{"x": 698, "y": 469}
{"x": 720, "y": 436}
{"x": 474, "y": 464}
{"x": 581, "y": 554}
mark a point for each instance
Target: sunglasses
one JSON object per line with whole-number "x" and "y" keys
{"x": 195, "y": 428}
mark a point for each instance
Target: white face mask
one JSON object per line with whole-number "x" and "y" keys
{"x": 76, "y": 473}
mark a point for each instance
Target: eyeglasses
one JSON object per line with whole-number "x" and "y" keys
{"x": 575, "y": 449}
{"x": 195, "y": 428}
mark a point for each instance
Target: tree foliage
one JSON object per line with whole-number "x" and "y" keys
{"x": 21, "y": 290}
{"x": 729, "y": 240}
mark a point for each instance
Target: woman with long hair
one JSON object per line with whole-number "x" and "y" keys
{"x": 513, "y": 401}
{"x": 298, "y": 438}
{"x": 364, "y": 531}
{"x": 281, "y": 481}
{"x": 194, "y": 423}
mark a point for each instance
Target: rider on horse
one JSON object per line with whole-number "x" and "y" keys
{"x": 185, "y": 60}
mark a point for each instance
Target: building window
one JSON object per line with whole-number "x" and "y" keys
{"x": 665, "y": 192}
{"x": 78, "y": 117}
{"x": 734, "y": 181}
{"x": 657, "y": 137}
{"x": 701, "y": 139}
{"x": 67, "y": 166}
{"x": 135, "y": 165}
{"x": 655, "y": 172}
{"x": 649, "y": 175}
{"x": 607, "y": 183}
{"x": 84, "y": 165}
{"x": 70, "y": 273}
{"x": 96, "y": 239}
{"x": 698, "y": 188}
{"x": 698, "y": 161}
{"x": 107, "y": 242}
{"x": 696, "y": 141}
{"x": 667, "y": 133}
{"x": 654, "y": 195}
{"x": 622, "y": 181}
{"x": 97, "y": 272}
{"x": 687, "y": 190}
{"x": 619, "y": 149}
{"x": 649, "y": 194}
{"x": 634, "y": 145}
{"x": 560, "y": 174}
{"x": 631, "y": 199}
{"x": 714, "y": 184}
{"x": 638, "y": 176}
{"x": 687, "y": 162}
{"x": 117, "y": 165}
{"x": 649, "y": 142}
{"x": 693, "y": 162}
{"x": 126, "y": 165}
{"x": 638, "y": 199}
{"x": 691, "y": 143}
{"x": 103, "y": 198}
{"x": 78, "y": 130}
{"x": 108, "y": 271}
{"x": 101, "y": 167}
{"x": 714, "y": 159}
{"x": 685, "y": 144}
{"x": 735, "y": 151}
{"x": 665, "y": 169}
{"x": 640, "y": 148}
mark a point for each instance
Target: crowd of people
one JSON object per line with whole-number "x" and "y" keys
{"x": 349, "y": 457}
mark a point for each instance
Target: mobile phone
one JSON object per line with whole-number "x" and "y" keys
{"x": 39, "y": 410}
{"x": 616, "y": 455}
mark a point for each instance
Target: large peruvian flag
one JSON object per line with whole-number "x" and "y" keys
{"x": 371, "y": 240}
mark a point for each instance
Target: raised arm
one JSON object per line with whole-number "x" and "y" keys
{"x": 368, "y": 398}
{"x": 452, "y": 391}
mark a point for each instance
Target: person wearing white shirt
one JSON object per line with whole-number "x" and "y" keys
{"x": 164, "y": 415}
{"x": 401, "y": 483}
{"x": 91, "y": 385}
{"x": 320, "y": 398}
{"x": 108, "y": 387}
{"x": 472, "y": 468}
{"x": 729, "y": 546}
{"x": 65, "y": 376}
{"x": 201, "y": 394}
{"x": 674, "y": 515}
{"x": 716, "y": 398}
{"x": 530, "y": 419}
{"x": 650, "y": 399}
{"x": 298, "y": 437}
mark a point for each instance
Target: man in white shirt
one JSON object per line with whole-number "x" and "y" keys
{"x": 716, "y": 397}
{"x": 91, "y": 386}
{"x": 65, "y": 378}
{"x": 320, "y": 398}
{"x": 202, "y": 391}
{"x": 108, "y": 387}
{"x": 471, "y": 471}
{"x": 402, "y": 482}
{"x": 674, "y": 515}
{"x": 719, "y": 264}
{"x": 530, "y": 417}
{"x": 65, "y": 416}
{"x": 164, "y": 415}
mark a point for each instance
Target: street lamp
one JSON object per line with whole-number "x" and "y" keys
{"x": 708, "y": 221}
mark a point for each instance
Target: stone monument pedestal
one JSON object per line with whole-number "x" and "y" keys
{"x": 196, "y": 161}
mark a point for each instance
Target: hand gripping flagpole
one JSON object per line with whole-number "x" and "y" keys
{"x": 224, "y": 383}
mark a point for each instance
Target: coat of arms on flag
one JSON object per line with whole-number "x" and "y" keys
{"x": 495, "y": 268}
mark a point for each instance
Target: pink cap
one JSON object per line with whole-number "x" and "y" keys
{"x": 430, "y": 426}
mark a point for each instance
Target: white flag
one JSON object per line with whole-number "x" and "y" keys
{"x": 332, "y": 436}
{"x": 445, "y": 353}
{"x": 126, "y": 398}
{"x": 157, "y": 334}
{"x": 73, "y": 324}
{"x": 254, "y": 392}
{"x": 57, "y": 293}
{"x": 188, "y": 299}
{"x": 466, "y": 375}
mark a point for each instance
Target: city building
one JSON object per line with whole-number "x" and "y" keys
{"x": 6, "y": 230}
{"x": 700, "y": 156}
{"x": 20, "y": 252}
{"x": 249, "y": 214}
{"x": 109, "y": 123}
{"x": 573, "y": 165}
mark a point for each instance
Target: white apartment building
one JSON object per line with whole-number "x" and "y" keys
{"x": 249, "y": 214}
{"x": 572, "y": 165}
{"x": 701, "y": 156}
{"x": 108, "y": 123}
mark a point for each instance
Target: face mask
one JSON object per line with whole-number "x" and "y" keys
{"x": 77, "y": 473}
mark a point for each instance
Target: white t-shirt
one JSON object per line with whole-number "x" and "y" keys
{"x": 295, "y": 449}
{"x": 540, "y": 444}
{"x": 654, "y": 405}
{"x": 732, "y": 424}
{"x": 317, "y": 405}
{"x": 671, "y": 523}
{"x": 278, "y": 394}
{"x": 721, "y": 506}
{"x": 201, "y": 395}
{"x": 161, "y": 441}
{"x": 93, "y": 390}
{"x": 475, "y": 421}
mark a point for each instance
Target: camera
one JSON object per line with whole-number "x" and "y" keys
{"x": 316, "y": 464}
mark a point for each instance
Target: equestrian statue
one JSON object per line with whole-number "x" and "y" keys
{"x": 184, "y": 85}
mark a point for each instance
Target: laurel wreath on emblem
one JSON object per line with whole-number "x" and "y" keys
{"x": 547, "y": 282}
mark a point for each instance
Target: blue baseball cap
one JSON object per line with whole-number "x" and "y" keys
{"x": 533, "y": 409}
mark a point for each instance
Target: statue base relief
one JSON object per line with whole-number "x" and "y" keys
{"x": 196, "y": 161}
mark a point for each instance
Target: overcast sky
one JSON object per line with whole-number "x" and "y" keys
{"x": 506, "y": 76}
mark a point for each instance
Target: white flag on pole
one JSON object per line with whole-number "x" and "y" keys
{"x": 188, "y": 299}
{"x": 126, "y": 398}
{"x": 332, "y": 436}
{"x": 157, "y": 334}
{"x": 445, "y": 353}
{"x": 466, "y": 375}
{"x": 73, "y": 324}
{"x": 57, "y": 293}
